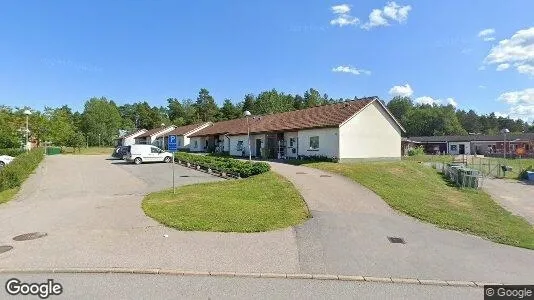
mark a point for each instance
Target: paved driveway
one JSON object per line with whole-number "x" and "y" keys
{"x": 91, "y": 209}
{"x": 515, "y": 196}
{"x": 349, "y": 230}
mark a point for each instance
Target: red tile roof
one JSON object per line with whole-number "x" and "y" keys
{"x": 331, "y": 115}
{"x": 153, "y": 132}
{"x": 185, "y": 129}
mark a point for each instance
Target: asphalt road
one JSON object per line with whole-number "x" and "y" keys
{"x": 90, "y": 208}
{"x": 349, "y": 229}
{"x": 516, "y": 196}
{"x": 125, "y": 286}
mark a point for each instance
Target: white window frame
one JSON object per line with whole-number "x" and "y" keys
{"x": 240, "y": 146}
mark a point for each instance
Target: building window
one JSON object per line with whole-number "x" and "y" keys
{"x": 177, "y": 142}
{"x": 292, "y": 142}
{"x": 314, "y": 142}
{"x": 239, "y": 146}
{"x": 454, "y": 147}
{"x": 196, "y": 144}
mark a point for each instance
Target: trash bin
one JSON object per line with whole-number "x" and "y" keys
{"x": 530, "y": 176}
{"x": 53, "y": 150}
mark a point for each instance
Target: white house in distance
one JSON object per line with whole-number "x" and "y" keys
{"x": 349, "y": 131}
{"x": 183, "y": 132}
{"x": 129, "y": 139}
{"x": 154, "y": 136}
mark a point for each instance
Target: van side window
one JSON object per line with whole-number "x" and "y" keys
{"x": 154, "y": 150}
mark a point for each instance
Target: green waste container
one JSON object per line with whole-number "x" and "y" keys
{"x": 53, "y": 150}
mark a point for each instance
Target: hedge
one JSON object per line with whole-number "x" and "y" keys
{"x": 14, "y": 174}
{"x": 225, "y": 164}
{"x": 12, "y": 151}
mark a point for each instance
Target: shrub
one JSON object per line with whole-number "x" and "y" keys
{"x": 14, "y": 174}
{"x": 225, "y": 164}
{"x": 523, "y": 174}
{"x": 12, "y": 151}
{"x": 317, "y": 158}
{"x": 416, "y": 151}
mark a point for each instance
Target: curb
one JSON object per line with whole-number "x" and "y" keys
{"x": 358, "y": 278}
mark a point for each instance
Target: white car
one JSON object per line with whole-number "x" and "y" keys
{"x": 5, "y": 159}
{"x": 146, "y": 153}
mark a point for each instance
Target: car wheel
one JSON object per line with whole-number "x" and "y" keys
{"x": 167, "y": 159}
{"x": 138, "y": 160}
{"x": 2, "y": 164}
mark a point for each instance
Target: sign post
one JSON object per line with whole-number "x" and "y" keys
{"x": 173, "y": 147}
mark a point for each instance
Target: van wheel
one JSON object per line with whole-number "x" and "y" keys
{"x": 137, "y": 160}
{"x": 2, "y": 164}
{"x": 167, "y": 159}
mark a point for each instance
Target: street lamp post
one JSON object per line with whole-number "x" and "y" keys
{"x": 27, "y": 112}
{"x": 504, "y": 132}
{"x": 248, "y": 114}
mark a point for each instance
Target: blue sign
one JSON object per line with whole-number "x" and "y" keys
{"x": 173, "y": 146}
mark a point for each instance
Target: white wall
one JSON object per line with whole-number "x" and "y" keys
{"x": 328, "y": 142}
{"x": 289, "y": 152}
{"x": 457, "y": 150}
{"x": 233, "y": 145}
{"x": 200, "y": 144}
{"x": 371, "y": 133}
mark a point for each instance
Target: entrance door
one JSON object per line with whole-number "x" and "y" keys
{"x": 258, "y": 147}
{"x": 462, "y": 149}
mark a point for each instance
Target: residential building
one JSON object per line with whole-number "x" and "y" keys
{"x": 183, "y": 133}
{"x": 350, "y": 130}
{"x": 154, "y": 136}
{"x": 489, "y": 145}
{"x": 129, "y": 139}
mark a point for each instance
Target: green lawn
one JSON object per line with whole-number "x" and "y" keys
{"x": 89, "y": 151}
{"x": 258, "y": 203}
{"x": 7, "y": 195}
{"x": 421, "y": 192}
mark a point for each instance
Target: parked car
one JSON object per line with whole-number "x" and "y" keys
{"x": 147, "y": 153}
{"x": 120, "y": 152}
{"x": 5, "y": 159}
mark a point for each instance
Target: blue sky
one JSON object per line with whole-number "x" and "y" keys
{"x": 64, "y": 52}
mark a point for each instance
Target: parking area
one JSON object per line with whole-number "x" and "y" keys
{"x": 90, "y": 209}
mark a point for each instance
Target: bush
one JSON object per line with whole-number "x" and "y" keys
{"x": 317, "y": 158}
{"x": 416, "y": 151}
{"x": 14, "y": 174}
{"x": 225, "y": 164}
{"x": 12, "y": 151}
{"x": 523, "y": 174}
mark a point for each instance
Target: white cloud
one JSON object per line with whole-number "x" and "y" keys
{"x": 489, "y": 39}
{"x": 343, "y": 18}
{"x": 401, "y": 90}
{"x": 525, "y": 69}
{"x": 517, "y": 50}
{"x": 503, "y": 67}
{"x": 523, "y": 112}
{"x": 391, "y": 12}
{"x": 341, "y": 9}
{"x": 427, "y": 100}
{"x": 522, "y": 104}
{"x": 481, "y": 86}
{"x": 519, "y": 97}
{"x": 486, "y": 32}
{"x": 452, "y": 102}
{"x": 351, "y": 70}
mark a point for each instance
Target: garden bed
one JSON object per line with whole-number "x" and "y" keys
{"x": 225, "y": 167}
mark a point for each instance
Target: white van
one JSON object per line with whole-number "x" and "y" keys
{"x": 146, "y": 153}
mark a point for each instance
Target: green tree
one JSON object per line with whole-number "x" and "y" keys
{"x": 273, "y": 102}
{"x": 400, "y": 108}
{"x": 312, "y": 98}
{"x": 206, "y": 107}
{"x": 60, "y": 125}
{"x": 249, "y": 103}
{"x": 76, "y": 141}
{"x": 101, "y": 121}
{"x": 230, "y": 111}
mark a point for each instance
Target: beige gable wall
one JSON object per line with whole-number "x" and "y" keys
{"x": 371, "y": 133}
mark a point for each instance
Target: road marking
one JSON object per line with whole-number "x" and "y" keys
{"x": 292, "y": 276}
